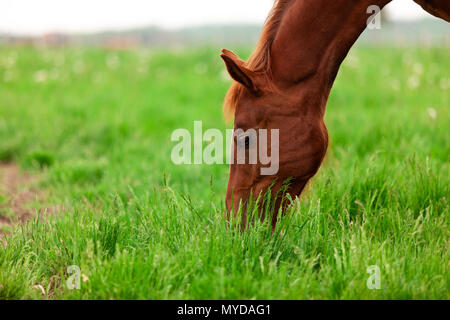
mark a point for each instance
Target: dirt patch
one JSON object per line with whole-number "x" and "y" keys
{"x": 19, "y": 197}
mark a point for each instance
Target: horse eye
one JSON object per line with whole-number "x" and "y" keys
{"x": 247, "y": 142}
{"x": 244, "y": 141}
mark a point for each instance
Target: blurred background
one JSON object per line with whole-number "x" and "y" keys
{"x": 136, "y": 23}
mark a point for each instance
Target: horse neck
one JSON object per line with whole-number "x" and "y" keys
{"x": 314, "y": 37}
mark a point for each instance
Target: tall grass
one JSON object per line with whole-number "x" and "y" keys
{"x": 96, "y": 125}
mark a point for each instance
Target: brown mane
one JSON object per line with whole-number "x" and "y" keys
{"x": 259, "y": 60}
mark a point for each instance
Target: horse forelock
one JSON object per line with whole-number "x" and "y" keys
{"x": 259, "y": 60}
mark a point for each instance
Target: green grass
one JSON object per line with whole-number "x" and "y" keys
{"x": 96, "y": 125}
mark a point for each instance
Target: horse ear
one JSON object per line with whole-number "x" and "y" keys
{"x": 237, "y": 70}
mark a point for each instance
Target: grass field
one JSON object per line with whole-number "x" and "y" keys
{"x": 95, "y": 127}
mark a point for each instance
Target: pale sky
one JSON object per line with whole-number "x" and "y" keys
{"x": 43, "y": 16}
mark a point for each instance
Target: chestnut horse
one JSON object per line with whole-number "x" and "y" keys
{"x": 285, "y": 85}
